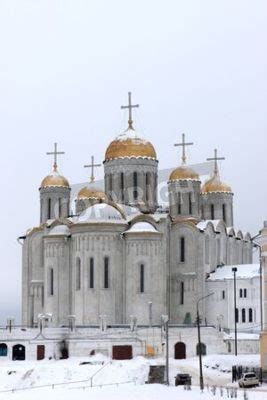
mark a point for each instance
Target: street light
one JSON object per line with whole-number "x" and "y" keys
{"x": 165, "y": 322}
{"x": 234, "y": 270}
{"x": 201, "y": 381}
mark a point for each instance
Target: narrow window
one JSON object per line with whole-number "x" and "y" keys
{"x": 250, "y": 315}
{"x": 207, "y": 250}
{"x": 190, "y": 203}
{"x": 78, "y": 274}
{"x": 49, "y": 209}
{"x": 245, "y": 292}
{"x": 212, "y": 211}
{"x": 147, "y": 186}
{"x": 91, "y": 273}
{"x": 122, "y": 186}
{"x": 240, "y": 293}
{"x": 182, "y": 249}
{"x": 135, "y": 184}
{"x": 106, "y": 273}
{"x": 179, "y": 204}
{"x": 224, "y": 212}
{"x": 51, "y": 282}
{"x": 110, "y": 183}
{"x": 182, "y": 293}
{"x": 223, "y": 294}
{"x": 59, "y": 207}
{"x": 243, "y": 315}
{"x": 142, "y": 278}
{"x": 236, "y": 315}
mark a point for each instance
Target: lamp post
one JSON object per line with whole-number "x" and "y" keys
{"x": 234, "y": 270}
{"x": 201, "y": 381}
{"x": 258, "y": 246}
{"x": 165, "y": 322}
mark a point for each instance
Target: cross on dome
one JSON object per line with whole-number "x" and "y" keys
{"x": 130, "y": 107}
{"x": 55, "y": 153}
{"x": 92, "y": 166}
{"x": 216, "y": 159}
{"x": 183, "y": 145}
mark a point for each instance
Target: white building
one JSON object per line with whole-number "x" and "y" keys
{"x": 248, "y": 294}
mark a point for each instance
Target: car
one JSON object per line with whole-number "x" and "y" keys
{"x": 248, "y": 379}
{"x": 183, "y": 379}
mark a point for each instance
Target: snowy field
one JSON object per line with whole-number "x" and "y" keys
{"x": 118, "y": 379}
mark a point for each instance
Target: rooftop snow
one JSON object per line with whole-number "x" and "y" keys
{"x": 245, "y": 271}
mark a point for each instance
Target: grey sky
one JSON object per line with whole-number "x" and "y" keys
{"x": 66, "y": 66}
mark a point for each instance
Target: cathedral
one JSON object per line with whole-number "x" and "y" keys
{"x": 121, "y": 254}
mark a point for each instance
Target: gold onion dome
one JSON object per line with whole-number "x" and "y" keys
{"x": 93, "y": 193}
{"x": 215, "y": 185}
{"x": 130, "y": 145}
{"x": 54, "y": 180}
{"x": 184, "y": 173}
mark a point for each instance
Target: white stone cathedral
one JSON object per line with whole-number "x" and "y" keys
{"x": 121, "y": 255}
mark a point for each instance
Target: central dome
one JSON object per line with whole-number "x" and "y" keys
{"x": 130, "y": 145}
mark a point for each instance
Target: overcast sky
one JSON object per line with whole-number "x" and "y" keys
{"x": 65, "y": 69}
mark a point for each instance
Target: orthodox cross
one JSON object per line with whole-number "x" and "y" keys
{"x": 216, "y": 159}
{"x": 92, "y": 166}
{"x": 130, "y": 107}
{"x": 55, "y": 153}
{"x": 183, "y": 145}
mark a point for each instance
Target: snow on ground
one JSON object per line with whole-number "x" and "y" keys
{"x": 20, "y": 374}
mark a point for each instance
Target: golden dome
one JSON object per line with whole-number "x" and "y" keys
{"x": 87, "y": 193}
{"x": 54, "y": 180}
{"x": 183, "y": 173}
{"x": 130, "y": 145}
{"x": 215, "y": 185}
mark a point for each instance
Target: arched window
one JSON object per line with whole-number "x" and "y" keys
{"x": 243, "y": 315}
{"x": 250, "y": 315}
{"x": 49, "y": 209}
{"x": 3, "y": 350}
{"x": 190, "y": 203}
{"x": 135, "y": 185}
{"x": 212, "y": 211}
{"x": 122, "y": 186}
{"x": 224, "y": 212}
{"x": 59, "y": 207}
{"x": 110, "y": 183}
{"x": 91, "y": 273}
{"x": 142, "y": 278}
{"x": 207, "y": 250}
{"x": 51, "y": 282}
{"x": 179, "y": 203}
{"x": 236, "y": 315}
{"x": 147, "y": 186}
{"x": 106, "y": 273}
{"x": 78, "y": 273}
{"x": 182, "y": 293}
{"x": 182, "y": 249}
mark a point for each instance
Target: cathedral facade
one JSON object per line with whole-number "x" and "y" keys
{"x": 121, "y": 256}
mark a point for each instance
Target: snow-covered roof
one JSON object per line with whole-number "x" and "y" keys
{"x": 244, "y": 271}
{"x": 101, "y": 212}
{"x": 202, "y": 225}
{"x": 141, "y": 227}
{"x": 59, "y": 230}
